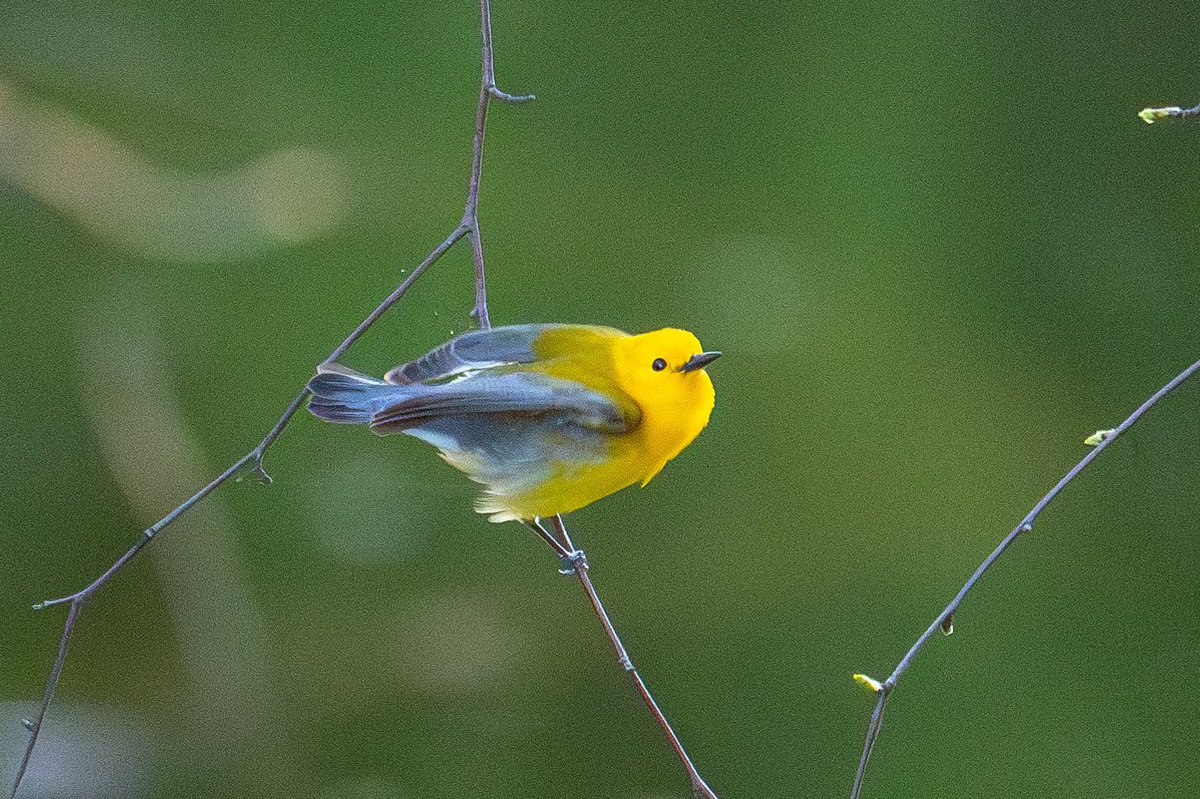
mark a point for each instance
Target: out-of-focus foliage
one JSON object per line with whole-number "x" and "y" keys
{"x": 935, "y": 242}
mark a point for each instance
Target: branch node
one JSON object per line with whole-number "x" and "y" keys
{"x": 254, "y": 469}
{"x": 28, "y": 724}
{"x": 1026, "y": 527}
{"x": 947, "y": 624}
{"x": 1152, "y": 115}
{"x": 53, "y": 603}
{"x": 505, "y": 97}
{"x": 572, "y": 562}
{"x": 1099, "y": 437}
{"x": 870, "y": 683}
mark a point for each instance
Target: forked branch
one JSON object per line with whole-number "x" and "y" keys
{"x": 252, "y": 461}
{"x": 945, "y": 620}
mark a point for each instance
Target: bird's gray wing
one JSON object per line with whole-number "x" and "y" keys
{"x": 479, "y": 349}
{"x": 502, "y": 398}
{"x": 510, "y": 431}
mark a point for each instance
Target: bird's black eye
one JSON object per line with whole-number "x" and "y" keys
{"x": 658, "y": 365}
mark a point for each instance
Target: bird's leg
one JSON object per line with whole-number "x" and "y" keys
{"x": 576, "y": 563}
{"x": 572, "y": 562}
{"x": 536, "y": 525}
{"x": 571, "y": 558}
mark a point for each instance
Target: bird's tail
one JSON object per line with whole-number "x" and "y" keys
{"x": 344, "y": 396}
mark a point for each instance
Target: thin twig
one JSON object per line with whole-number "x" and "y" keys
{"x": 945, "y": 619}
{"x": 577, "y": 564}
{"x": 253, "y": 460}
{"x": 470, "y": 219}
{"x": 1170, "y": 112}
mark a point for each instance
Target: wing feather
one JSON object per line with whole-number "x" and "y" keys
{"x": 506, "y": 395}
{"x": 479, "y": 349}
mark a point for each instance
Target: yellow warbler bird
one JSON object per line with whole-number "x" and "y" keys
{"x": 548, "y": 418}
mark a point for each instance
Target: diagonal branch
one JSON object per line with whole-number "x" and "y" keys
{"x": 576, "y": 564}
{"x": 253, "y": 460}
{"x": 945, "y": 621}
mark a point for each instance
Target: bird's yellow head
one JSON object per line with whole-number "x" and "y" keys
{"x": 663, "y": 371}
{"x": 664, "y": 358}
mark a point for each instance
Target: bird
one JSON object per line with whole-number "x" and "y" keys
{"x": 547, "y": 417}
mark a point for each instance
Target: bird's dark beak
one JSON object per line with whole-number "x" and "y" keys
{"x": 700, "y": 361}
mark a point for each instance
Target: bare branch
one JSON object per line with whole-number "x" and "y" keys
{"x": 1167, "y": 113}
{"x": 504, "y": 97}
{"x": 470, "y": 219}
{"x": 575, "y": 563}
{"x": 944, "y": 621}
{"x": 253, "y": 460}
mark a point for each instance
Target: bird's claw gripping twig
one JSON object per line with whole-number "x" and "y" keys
{"x": 572, "y": 561}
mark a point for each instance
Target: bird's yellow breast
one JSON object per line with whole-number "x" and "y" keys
{"x": 668, "y": 409}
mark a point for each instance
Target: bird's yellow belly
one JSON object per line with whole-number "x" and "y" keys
{"x": 632, "y": 458}
{"x": 570, "y": 488}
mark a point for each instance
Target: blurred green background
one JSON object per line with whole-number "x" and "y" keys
{"x": 935, "y": 243}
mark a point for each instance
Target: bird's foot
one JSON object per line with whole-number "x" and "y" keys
{"x": 572, "y": 561}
